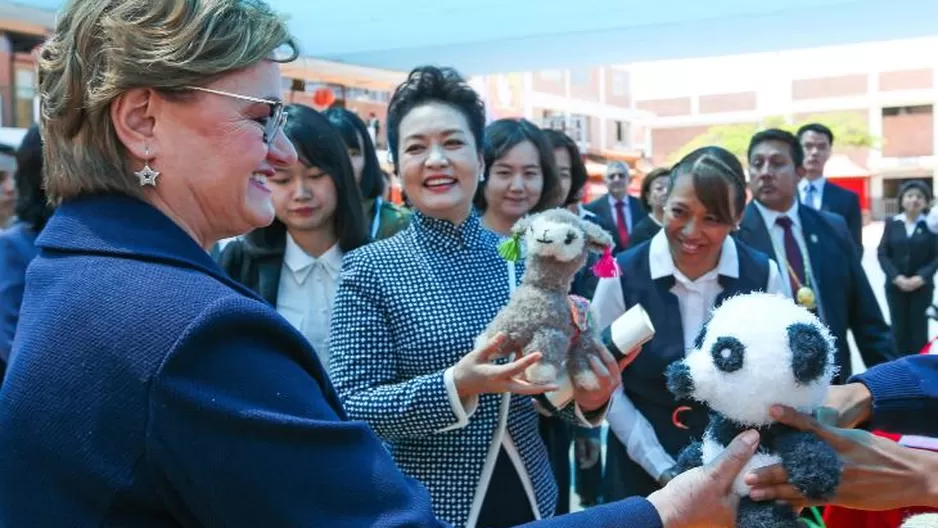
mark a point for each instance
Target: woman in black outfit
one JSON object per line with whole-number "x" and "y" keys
{"x": 654, "y": 192}
{"x": 908, "y": 254}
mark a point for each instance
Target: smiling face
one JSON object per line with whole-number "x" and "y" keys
{"x": 304, "y": 198}
{"x": 439, "y": 161}
{"x": 515, "y": 182}
{"x": 695, "y": 235}
{"x": 213, "y": 159}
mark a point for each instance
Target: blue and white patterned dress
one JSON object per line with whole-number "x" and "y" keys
{"x": 406, "y": 310}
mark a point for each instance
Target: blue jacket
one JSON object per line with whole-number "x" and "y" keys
{"x": 905, "y": 395}
{"x": 146, "y": 388}
{"x": 845, "y": 296}
{"x": 17, "y": 250}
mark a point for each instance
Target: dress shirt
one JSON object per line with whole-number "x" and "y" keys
{"x": 626, "y": 211}
{"x": 695, "y": 300}
{"x": 777, "y": 234}
{"x": 818, "y": 194}
{"x": 306, "y": 292}
{"x": 910, "y": 227}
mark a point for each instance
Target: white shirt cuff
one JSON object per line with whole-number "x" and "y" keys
{"x": 463, "y": 413}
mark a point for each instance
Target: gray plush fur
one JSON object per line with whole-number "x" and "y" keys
{"x": 537, "y": 317}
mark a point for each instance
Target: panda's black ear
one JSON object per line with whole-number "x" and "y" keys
{"x": 808, "y": 352}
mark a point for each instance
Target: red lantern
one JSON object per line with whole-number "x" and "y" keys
{"x": 323, "y": 98}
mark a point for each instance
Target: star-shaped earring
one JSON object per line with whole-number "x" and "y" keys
{"x": 147, "y": 175}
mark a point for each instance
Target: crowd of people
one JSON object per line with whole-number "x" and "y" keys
{"x": 322, "y": 367}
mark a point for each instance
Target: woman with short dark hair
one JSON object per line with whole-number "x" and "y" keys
{"x": 908, "y": 254}
{"x": 409, "y": 310}
{"x": 520, "y": 174}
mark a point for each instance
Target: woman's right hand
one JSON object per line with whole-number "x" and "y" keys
{"x": 475, "y": 373}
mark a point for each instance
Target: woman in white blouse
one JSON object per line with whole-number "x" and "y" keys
{"x": 678, "y": 276}
{"x": 295, "y": 262}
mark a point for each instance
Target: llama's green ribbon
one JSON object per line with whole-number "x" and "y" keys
{"x": 510, "y": 249}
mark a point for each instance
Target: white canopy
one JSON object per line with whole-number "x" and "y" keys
{"x": 488, "y": 36}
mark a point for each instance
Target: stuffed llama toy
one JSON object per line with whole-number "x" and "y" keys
{"x": 541, "y": 316}
{"x": 756, "y": 351}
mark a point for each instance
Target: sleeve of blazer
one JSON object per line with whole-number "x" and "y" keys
{"x": 12, "y": 285}
{"x": 904, "y": 393}
{"x": 363, "y": 364}
{"x": 241, "y": 433}
{"x": 927, "y": 272}
{"x": 884, "y": 253}
{"x": 864, "y": 318}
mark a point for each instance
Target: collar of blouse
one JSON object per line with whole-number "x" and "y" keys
{"x": 445, "y": 234}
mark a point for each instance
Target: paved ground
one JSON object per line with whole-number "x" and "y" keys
{"x": 871, "y": 235}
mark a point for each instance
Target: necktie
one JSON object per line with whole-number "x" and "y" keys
{"x": 810, "y": 195}
{"x": 792, "y": 255}
{"x": 623, "y": 227}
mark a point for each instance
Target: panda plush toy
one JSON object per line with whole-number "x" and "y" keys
{"x": 756, "y": 351}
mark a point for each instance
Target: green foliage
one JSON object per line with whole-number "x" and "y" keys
{"x": 850, "y": 130}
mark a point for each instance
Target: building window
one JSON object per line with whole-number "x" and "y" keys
{"x": 580, "y": 77}
{"x": 554, "y": 76}
{"x": 620, "y": 84}
{"x": 907, "y": 110}
{"x": 554, "y": 121}
{"x": 25, "y": 100}
{"x": 622, "y": 132}
{"x": 579, "y": 128}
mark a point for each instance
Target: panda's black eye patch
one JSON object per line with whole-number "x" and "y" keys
{"x": 728, "y": 354}
{"x": 809, "y": 352}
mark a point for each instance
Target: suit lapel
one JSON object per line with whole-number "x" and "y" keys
{"x": 809, "y": 230}
{"x": 755, "y": 233}
{"x": 604, "y": 211}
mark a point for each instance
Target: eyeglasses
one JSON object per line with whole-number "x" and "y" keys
{"x": 616, "y": 176}
{"x": 275, "y": 120}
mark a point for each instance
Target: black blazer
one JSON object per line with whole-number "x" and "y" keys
{"x": 846, "y": 297}
{"x": 256, "y": 260}
{"x": 900, "y": 254}
{"x": 846, "y": 203}
{"x": 644, "y": 231}
{"x": 601, "y": 208}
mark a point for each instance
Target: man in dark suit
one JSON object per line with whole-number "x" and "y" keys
{"x": 616, "y": 208}
{"x": 817, "y": 141}
{"x": 812, "y": 251}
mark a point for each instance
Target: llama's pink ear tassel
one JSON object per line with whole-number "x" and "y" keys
{"x": 606, "y": 267}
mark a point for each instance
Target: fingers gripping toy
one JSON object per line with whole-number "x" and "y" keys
{"x": 758, "y": 350}
{"x": 541, "y": 316}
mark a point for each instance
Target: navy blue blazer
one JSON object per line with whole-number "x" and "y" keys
{"x": 846, "y": 297}
{"x": 17, "y": 250}
{"x": 846, "y": 204}
{"x": 147, "y": 388}
{"x": 601, "y": 208}
{"x": 905, "y": 395}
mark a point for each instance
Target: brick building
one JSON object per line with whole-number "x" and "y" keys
{"x": 891, "y": 87}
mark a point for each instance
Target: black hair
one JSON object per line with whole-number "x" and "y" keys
{"x": 355, "y": 134}
{"x": 32, "y": 205}
{"x": 504, "y": 135}
{"x": 660, "y": 172}
{"x": 318, "y": 144}
{"x": 578, "y": 174}
{"x": 431, "y": 84}
{"x": 782, "y": 136}
{"x": 716, "y": 172}
{"x": 913, "y": 185}
{"x": 817, "y": 128}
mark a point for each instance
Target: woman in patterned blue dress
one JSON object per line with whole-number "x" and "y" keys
{"x": 408, "y": 311}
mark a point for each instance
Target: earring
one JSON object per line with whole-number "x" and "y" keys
{"x": 482, "y": 176}
{"x": 147, "y": 175}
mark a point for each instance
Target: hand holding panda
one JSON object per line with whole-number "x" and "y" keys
{"x": 760, "y": 350}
